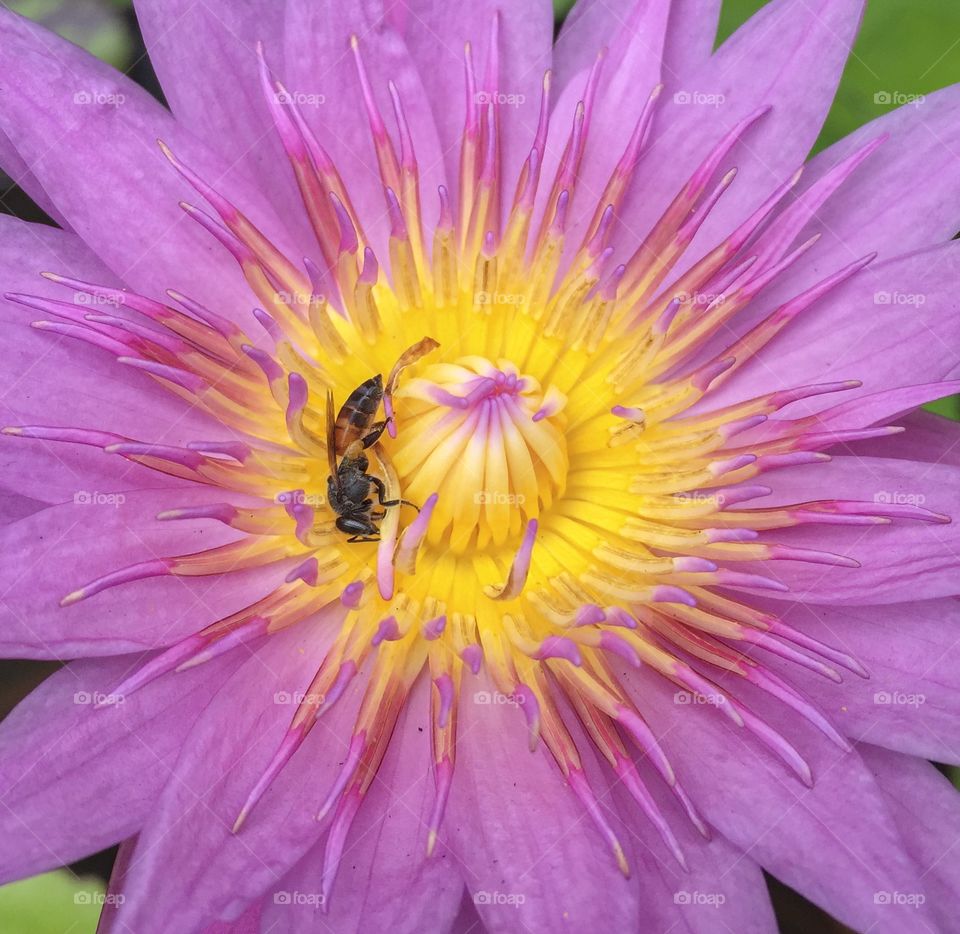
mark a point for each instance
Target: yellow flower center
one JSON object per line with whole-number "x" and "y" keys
{"x": 486, "y": 440}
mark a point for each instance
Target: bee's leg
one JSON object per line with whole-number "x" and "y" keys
{"x": 362, "y": 538}
{"x": 376, "y": 429}
{"x": 382, "y": 492}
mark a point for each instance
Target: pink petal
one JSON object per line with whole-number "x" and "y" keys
{"x": 189, "y": 869}
{"x": 319, "y": 62}
{"x": 905, "y": 560}
{"x": 52, "y": 380}
{"x": 796, "y": 75}
{"x": 61, "y": 548}
{"x": 191, "y": 47}
{"x": 522, "y": 864}
{"x": 748, "y": 798}
{"x": 76, "y": 122}
{"x": 76, "y": 779}
{"x": 908, "y": 703}
{"x": 385, "y": 880}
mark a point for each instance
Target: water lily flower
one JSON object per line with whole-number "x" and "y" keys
{"x": 476, "y": 481}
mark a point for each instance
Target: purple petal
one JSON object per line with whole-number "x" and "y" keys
{"x": 121, "y": 864}
{"x": 904, "y": 560}
{"x": 690, "y": 37}
{"x": 385, "y": 881}
{"x": 747, "y": 797}
{"x": 435, "y": 34}
{"x": 247, "y": 923}
{"x": 105, "y": 172}
{"x": 633, "y": 68}
{"x": 192, "y": 46}
{"x": 189, "y": 869}
{"x": 48, "y": 379}
{"x": 12, "y": 164}
{"x": 468, "y": 920}
{"x": 722, "y": 888}
{"x": 910, "y": 650}
{"x": 319, "y": 62}
{"x": 926, "y": 808}
{"x": 522, "y": 863}
{"x": 62, "y": 548}
{"x": 14, "y": 507}
{"x": 878, "y": 209}
{"x": 796, "y": 75}
{"x": 893, "y": 324}
{"x": 928, "y": 437}
{"x": 75, "y": 779}
{"x": 881, "y": 408}
{"x": 592, "y": 25}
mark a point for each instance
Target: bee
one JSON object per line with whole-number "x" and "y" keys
{"x": 355, "y": 420}
{"x": 349, "y": 435}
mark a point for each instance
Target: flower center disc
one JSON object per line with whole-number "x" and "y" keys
{"x": 488, "y": 440}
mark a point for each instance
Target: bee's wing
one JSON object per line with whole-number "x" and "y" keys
{"x": 331, "y": 440}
